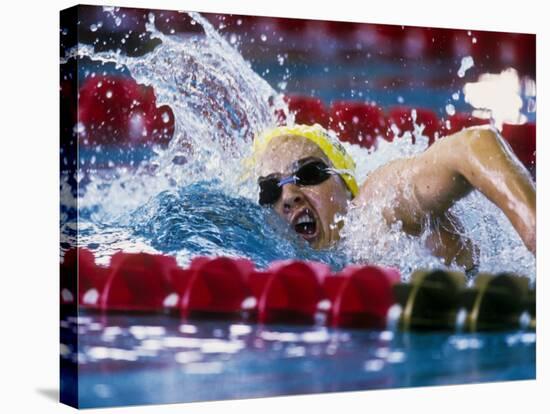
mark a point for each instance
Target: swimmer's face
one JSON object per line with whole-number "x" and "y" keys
{"x": 311, "y": 210}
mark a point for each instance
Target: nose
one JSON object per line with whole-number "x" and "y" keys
{"x": 291, "y": 197}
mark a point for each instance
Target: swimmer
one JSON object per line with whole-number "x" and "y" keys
{"x": 306, "y": 176}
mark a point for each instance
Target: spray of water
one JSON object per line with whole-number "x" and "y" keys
{"x": 218, "y": 102}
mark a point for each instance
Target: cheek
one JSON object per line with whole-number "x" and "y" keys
{"x": 278, "y": 207}
{"x": 328, "y": 198}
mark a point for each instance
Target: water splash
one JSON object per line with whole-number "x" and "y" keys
{"x": 218, "y": 103}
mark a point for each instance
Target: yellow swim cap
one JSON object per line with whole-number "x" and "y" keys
{"x": 330, "y": 146}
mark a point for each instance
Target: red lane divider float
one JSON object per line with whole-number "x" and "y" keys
{"x": 139, "y": 282}
{"x": 287, "y": 292}
{"x": 114, "y": 110}
{"x": 296, "y": 292}
{"x": 217, "y": 287}
{"x": 293, "y": 292}
{"x": 363, "y": 296}
{"x": 79, "y": 265}
{"x": 357, "y": 123}
{"x": 308, "y": 110}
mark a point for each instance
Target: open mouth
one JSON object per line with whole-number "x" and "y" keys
{"x": 305, "y": 224}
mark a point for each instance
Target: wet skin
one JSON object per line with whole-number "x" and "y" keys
{"x": 421, "y": 188}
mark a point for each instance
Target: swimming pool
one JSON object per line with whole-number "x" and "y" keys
{"x": 190, "y": 197}
{"x": 154, "y": 359}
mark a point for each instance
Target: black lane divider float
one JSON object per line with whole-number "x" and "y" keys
{"x": 297, "y": 292}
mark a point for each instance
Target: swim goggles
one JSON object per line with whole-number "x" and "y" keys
{"x": 328, "y": 143}
{"x": 311, "y": 172}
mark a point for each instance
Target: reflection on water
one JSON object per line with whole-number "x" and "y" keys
{"x": 159, "y": 359}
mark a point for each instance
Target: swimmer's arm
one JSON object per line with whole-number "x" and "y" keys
{"x": 475, "y": 158}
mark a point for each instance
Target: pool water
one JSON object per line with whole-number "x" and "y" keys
{"x": 126, "y": 360}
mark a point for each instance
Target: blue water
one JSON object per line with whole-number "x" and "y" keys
{"x": 125, "y": 360}
{"x": 201, "y": 219}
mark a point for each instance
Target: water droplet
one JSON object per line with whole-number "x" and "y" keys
{"x": 93, "y": 28}
{"x": 165, "y": 117}
{"x": 109, "y": 94}
{"x": 79, "y": 128}
{"x": 466, "y": 63}
{"x": 450, "y": 109}
{"x": 263, "y": 37}
{"x": 233, "y": 38}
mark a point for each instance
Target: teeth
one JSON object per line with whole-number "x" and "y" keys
{"x": 305, "y": 218}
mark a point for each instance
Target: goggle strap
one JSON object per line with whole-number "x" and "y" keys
{"x": 287, "y": 180}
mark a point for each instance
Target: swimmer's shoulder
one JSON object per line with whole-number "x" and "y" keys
{"x": 383, "y": 180}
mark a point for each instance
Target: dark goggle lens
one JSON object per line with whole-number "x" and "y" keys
{"x": 270, "y": 191}
{"x": 312, "y": 173}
